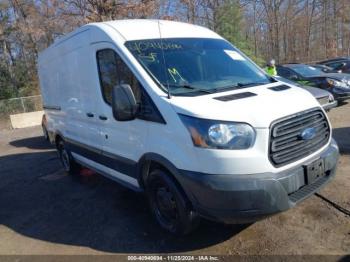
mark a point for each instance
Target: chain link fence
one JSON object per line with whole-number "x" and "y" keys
{"x": 16, "y": 106}
{"x": 20, "y": 105}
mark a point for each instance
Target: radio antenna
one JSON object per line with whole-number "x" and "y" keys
{"x": 165, "y": 68}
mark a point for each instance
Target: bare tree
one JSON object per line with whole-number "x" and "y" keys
{"x": 287, "y": 30}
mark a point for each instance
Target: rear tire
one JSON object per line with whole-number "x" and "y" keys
{"x": 67, "y": 161}
{"x": 169, "y": 205}
{"x": 45, "y": 132}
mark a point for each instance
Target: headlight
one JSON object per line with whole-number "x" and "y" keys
{"x": 336, "y": 83}
{"x": 331, "y": 98}
{"x": 219, "y": 134}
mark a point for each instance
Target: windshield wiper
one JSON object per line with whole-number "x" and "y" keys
{"x": 189, "y": 87}
{"x": 236, "y": 86}
{"x": 214, "y": 90}
{"x": 250, "y": 84}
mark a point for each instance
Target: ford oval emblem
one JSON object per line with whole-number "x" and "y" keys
{"x": 308, "y": 133}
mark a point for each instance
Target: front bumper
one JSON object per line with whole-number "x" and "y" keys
{"x": 248, "y": 198}
{"x": 330, "y": 105}
{"x": 340, "y": 94}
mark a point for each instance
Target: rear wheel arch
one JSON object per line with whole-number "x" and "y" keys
{"x": 72, "y": 167}
{"x": 58, "y": 138}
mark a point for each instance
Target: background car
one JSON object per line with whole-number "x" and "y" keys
{"x": 340, "y": 64}
{"x": 325, "y": 98}
{"x": 334, "y": 59}
{"x": 324, "y": 68}
{"x": 336, "y": 83}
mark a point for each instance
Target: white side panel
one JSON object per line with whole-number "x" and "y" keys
{"x": 67, "y": 82}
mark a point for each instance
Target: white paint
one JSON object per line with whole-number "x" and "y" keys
{"x": 69, "y": 79}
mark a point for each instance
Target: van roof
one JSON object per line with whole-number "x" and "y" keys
{"x": 138, "y": 29}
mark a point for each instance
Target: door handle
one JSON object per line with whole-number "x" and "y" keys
{"x": 89, "y": 114}
{"x": 103, "y": 118}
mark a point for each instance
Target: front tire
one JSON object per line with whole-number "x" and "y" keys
{"x": 169, "y": 205}
{"x": 68, "y": 163}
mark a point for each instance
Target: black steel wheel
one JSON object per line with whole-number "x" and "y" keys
{"x": 169, "y": 205}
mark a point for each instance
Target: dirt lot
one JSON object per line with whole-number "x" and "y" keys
{"x": 44, "y": 211}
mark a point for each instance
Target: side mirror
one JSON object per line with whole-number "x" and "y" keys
{"x": 124, "y": 104}
{"x": 294, "y": 77}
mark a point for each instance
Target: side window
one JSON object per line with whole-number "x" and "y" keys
{"x": 125, "y": 76}
{"x": 107, "y": 70}
{"x": 113, "y": 71}
{"x": 347, "y": 67}
{"x": 335, "y": 65}
{"x": 283, "y": 72}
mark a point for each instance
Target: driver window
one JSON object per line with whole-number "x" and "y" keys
{"x": 336, "y": 66}
{"x": 113, "y": 71}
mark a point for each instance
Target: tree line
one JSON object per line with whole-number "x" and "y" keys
{"x": 286, "y": 30}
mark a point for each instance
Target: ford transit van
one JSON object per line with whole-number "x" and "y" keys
{"x": 179, "y": 113}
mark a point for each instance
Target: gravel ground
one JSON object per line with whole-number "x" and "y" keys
{"x": 5, "y": 123}
{"x": 44, "y": 211}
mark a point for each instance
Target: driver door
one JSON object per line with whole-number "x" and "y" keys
{"x": 124, "y": 141}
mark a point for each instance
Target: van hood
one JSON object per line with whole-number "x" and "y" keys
{"x": 258, "y": 106}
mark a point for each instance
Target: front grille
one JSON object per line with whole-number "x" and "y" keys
{"x": 323, "y": 100}
{"x": 286, "y": 143}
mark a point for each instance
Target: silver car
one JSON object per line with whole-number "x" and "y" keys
{"x": 325, "y": 98}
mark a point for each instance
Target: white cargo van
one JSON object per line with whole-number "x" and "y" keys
{"x": 176, "y": 111}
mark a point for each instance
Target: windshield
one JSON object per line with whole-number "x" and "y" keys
{"x": 196, "y": 65}
{"x": 308, "y": 71}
